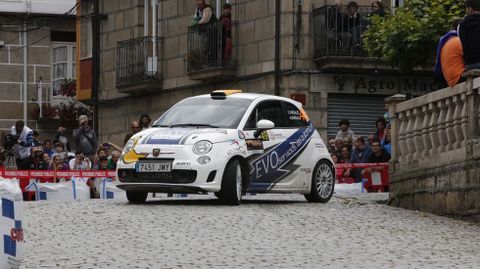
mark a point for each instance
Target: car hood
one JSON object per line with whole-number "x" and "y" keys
{"x": 183, "y": 136}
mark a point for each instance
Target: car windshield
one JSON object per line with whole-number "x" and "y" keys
{"x": 205, "y": 112}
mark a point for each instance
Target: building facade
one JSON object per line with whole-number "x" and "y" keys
{"x": 37, "y": 53}
{"x": 150, "y": 57}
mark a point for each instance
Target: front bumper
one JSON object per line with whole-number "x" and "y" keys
{"x": 187, "y": 175}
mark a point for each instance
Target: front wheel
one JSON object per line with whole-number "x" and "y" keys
{"x": 231, "y": 191}
{"x": 136, "y": 197}
{"x": 323, "y": 182}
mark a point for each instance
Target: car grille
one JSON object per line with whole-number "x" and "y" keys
{"x": 174, "y": 177}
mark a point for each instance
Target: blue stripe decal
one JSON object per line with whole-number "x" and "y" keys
{"x": 8, "y": 210}
{"x": 18, "y": 224}
{"x": 43, "y": 195}
{"x": 269, "y": 168}
{"x": 109, "y": 195}
{"x": 9, "y": 246}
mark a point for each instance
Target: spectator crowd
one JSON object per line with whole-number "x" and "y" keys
{"x": 24, "y": 149}
{"x": 346, "y": 147}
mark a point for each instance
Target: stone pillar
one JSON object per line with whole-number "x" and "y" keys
{"x": 391, "y": 103}
{"x": 472, "y": 110}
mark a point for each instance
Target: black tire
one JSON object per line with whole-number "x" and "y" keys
{"x": 323, "y": 183}
{"x": 137, "y": 197}
{"x": 232, "y": 181}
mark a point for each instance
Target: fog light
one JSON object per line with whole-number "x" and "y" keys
{"x": 204, "y": 160}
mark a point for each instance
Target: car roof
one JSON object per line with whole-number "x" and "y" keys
{"x": 253, "y": 96}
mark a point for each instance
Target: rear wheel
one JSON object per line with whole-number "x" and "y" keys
{"x": 231, "y": 191}
{"x": 136, "y": 197}
{"x": 323, "y": 182}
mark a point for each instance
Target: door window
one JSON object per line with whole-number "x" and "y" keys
{"x": 270, "y": 110}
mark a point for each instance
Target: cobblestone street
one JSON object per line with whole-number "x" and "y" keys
{"x": 266, "y": 231}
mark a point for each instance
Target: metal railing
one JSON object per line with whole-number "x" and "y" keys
{"x": 338, "y": 32}
{"x": 210, "y": 46}
{"x": 137, "y": 60}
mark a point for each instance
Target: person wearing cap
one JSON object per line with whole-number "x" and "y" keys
{"x": 85, "y": 138}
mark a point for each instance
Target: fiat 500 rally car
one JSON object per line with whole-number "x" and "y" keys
{"x": 228, "y": 143}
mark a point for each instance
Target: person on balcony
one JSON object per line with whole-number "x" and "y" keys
{"x": 203, "y": 13}
{"x": 226, "y": 20}
{"x": 377, "y": 9}
{"x": 354, "y": 26}
{"x": 469, "y": 33}
{"x": 338, "y": 38}
{"x": 450, "y": 65}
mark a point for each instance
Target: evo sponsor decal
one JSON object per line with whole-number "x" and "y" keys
{"x": 273, "y": 165}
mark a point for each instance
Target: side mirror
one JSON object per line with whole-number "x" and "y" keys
{"x": 263, "y": 125}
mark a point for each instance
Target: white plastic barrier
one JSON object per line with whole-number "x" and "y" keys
{"x": 11, "y": 230}
{"x": 109, "y": 190}
{"x": 75, "y": 189}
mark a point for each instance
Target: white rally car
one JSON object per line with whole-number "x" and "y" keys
{"x": 228, "y": 143}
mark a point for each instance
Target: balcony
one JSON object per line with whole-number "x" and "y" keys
{"x": 338, "y": 41}
{"x": 211, "y": 55}
{"x": 138, "y": 68}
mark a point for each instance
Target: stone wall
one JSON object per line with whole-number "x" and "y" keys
{"x": 255, "y": 26}
{"x": 436, "y": 152}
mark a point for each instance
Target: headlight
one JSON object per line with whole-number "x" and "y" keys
{"x": 128, "y": 146}
{"x": 202, "y": 147}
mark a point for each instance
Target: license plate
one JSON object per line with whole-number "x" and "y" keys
{"x": 154, "y": 167}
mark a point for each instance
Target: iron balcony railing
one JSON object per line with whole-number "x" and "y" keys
{"x": 137, "y": 60}
{"x": 211, "y": 46}
{"x": 338, "y": 31}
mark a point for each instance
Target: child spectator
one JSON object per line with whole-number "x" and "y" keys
{"x": 48, "y": 147}
{"x": 60, "y": 151}
{"x": 345, "y": 133}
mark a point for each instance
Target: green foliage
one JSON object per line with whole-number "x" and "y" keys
{"x": 409, "y": 37}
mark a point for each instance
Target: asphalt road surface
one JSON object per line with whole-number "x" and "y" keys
{"x": 266, "y": 231}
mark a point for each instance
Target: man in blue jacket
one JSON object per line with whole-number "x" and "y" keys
{"x": 360, "y": 154}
